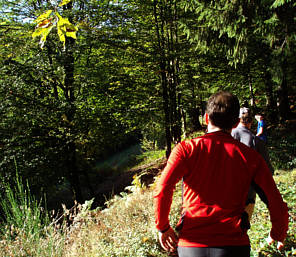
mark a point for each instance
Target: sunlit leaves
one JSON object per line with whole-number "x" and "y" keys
{"x": 278, "y": 3}
{"x": 43, "y": 17}
{"x": 43, "y": 32}
{"x": 44, "y": 26}
{"x": 64, "y": 2}
{"x": 65, "y": 28}
{"x": 48, "y": 20}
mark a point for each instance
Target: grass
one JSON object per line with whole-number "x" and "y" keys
{"x": 126, "y": 227}
{"x": 26, "y": 229}
{"x": 260, "y": 224}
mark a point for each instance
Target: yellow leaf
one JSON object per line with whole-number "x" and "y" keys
{"x": 71, "y": 34}
{"x": 37, "y": 32}
{"x": 46, "y": 32}
{"x": 58, "y": 15}
{"x": 45, "y": 23}
{"x": 65, "y": 28}
{"x": 61, "y": 35}
{"x": 63, "y": 21}
{"x": 42, "y": 31}
{"x": 43, "y": 16}
{"x": 64, "y": 2}
{"x": 145, "y": 239}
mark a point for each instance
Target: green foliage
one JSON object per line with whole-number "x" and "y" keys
{"x": 21, "y": 210}
{"x": 278, "y": 3}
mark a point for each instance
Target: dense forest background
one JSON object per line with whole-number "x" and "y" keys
{"x": 98, "y": 77}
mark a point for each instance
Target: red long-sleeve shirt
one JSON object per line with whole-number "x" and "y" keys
{"x": 217, "y": 171}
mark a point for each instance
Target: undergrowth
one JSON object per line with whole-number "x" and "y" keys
{"x": 26, "y": 229}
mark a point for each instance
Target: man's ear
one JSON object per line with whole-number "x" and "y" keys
{"x": 206, "y": 118}
{"x": 235, "y": 125}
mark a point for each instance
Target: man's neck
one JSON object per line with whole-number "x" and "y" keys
{"x": 212, "y": 128}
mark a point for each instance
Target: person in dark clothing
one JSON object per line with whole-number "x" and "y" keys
{"x": 244, "y": 134}
{"x": 217, "y": 171}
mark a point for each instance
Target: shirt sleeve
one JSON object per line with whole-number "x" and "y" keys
{"x": 235, "y": 135}
{"x": 267, "y": 190}
{"x": 163, "y": 193}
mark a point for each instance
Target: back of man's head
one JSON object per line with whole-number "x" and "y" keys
{"x": 245, "y": 115}
{"x": 223, "y": 110}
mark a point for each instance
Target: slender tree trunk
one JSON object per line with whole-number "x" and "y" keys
{"x": 194, "y": 111}
{"x": 69, "y": 92}
{"x": 165, "y": 97}
{"x": 165, "y": 16}
{"x": 159, "y": 27}
{"x": 253, "y": 104}
{"x": 283, "y": 100}
{"x": 271, "y": 103}
{"x": 184, "y": 122}
{"x": 71, "y": 163}
{"x": 175, "y": 70}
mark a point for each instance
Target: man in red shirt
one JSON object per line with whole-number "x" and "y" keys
{"x": 217, "y": 171}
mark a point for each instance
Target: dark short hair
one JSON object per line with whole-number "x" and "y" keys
{"x": 245, "y": 115}
{"x": 223, "y": 110}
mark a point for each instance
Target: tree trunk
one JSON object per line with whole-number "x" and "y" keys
{"x": 271, "y": 103}
{"x": 69, "y": 92}
{"x": 165, "y": 16}
{"x": 72, "y": 173}
{"x": 253, "y": 104}
{"x": 194, "y": 111}
{"x": 163, "y": 74}
{"x": 283, "y": 100}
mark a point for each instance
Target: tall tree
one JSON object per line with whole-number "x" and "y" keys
{"x": 235, "y": 26}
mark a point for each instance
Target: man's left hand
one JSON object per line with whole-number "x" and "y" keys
{"x": 168, "y": 240}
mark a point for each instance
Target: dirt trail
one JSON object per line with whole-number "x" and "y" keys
{"x": 106, "y": 187}
{"x": 117, "y": 184}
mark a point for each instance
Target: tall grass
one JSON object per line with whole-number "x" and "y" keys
{"x": 260, "y": 224}
{"x": 25, "y": 229}
{"x": 125, "y": 229}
